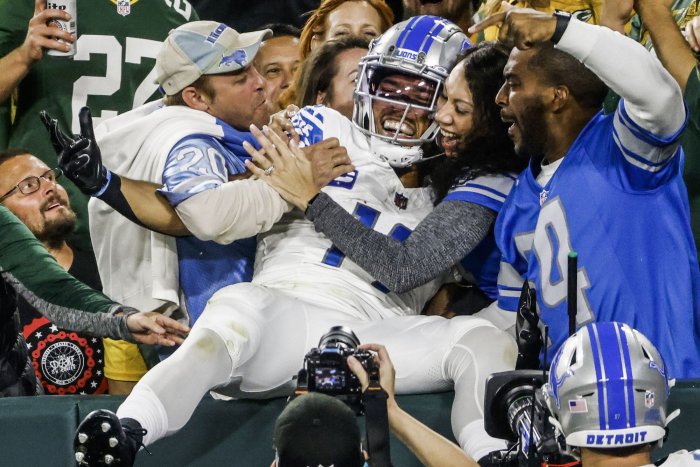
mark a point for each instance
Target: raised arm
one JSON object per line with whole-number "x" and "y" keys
{"x": 653, "y": 99}
{"x": 670, "y": 46}
{"x": 81, "y": 160}
{"x": 16, "y": 64}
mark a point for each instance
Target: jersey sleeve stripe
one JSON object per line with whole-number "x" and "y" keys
{"x": 642, "y": 162}
{"x": 644, "y": 134}
{"x": 473, "y": 196}
{"x": 641, "y": 150}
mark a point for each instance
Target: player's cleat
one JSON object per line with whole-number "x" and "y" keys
{"x": 104, "y": 439}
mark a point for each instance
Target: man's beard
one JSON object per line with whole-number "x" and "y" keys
{"x": 533, "y": 132}
{"x": 55, "y": 231}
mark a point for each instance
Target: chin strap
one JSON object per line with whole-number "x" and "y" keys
{"x": 395, "y": 155}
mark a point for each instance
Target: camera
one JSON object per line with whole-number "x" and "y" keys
{"x": 326, "y": 369}
{"x": 516, "y": 411}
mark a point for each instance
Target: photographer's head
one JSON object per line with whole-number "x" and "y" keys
{"x": 317, "y": 430}
{"x": 608, "y": 390}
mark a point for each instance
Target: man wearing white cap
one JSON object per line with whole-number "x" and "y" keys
{"x": 190, "y": 145}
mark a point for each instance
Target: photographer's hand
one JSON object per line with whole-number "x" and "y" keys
{"x": 387, "y": 373}
{"x": 431, "y": 448}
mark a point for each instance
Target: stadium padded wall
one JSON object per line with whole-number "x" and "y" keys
{"x": 38, "y": 431}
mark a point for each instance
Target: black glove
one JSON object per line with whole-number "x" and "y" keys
{"x": 527, "y": 333}
{"x": 79, "y": 157}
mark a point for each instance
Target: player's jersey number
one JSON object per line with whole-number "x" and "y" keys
{"x": 552, "y": 250}
{"x": 368, "y": 216}
{"x": 136, "y": 49}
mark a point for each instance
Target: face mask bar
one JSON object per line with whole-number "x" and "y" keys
{"x": 365, "y": 100}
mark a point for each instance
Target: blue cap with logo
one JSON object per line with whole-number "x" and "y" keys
{"x": 203, "y": 48}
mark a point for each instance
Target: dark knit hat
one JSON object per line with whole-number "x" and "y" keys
{"x": 317, "y": 430}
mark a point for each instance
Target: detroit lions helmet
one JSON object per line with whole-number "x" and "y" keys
{"x": 400, "y": 80}
{"x": 608, "y": 388}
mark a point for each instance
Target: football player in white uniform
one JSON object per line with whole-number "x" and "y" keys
{"x": 251, "y": 338}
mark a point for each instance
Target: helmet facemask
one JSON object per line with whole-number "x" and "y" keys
{"x": 395, "y": 105}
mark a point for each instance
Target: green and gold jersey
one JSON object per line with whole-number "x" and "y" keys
{"x": 587, "y": 11}
{"x": 683, "y": 11}
{"x": 111, "y": 72}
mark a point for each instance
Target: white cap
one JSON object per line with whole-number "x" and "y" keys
{"x": 203, "y": 48}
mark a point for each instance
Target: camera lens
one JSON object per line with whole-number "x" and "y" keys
{"x": 339, "y": 336}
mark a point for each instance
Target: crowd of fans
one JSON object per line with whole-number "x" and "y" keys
{"x": 201, "y": 182}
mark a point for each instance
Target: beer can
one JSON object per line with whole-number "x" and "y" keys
{"x": 71, "y": 25}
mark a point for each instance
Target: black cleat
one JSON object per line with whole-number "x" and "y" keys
{"x": 104, "y": 439}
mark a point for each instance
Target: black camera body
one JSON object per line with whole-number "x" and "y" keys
{"x": 516, "y": 411}
{"x": 326, "y": 369}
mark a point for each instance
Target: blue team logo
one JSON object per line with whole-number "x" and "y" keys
{"x": 123, "y": 7}
{"x": 239, "y": 57}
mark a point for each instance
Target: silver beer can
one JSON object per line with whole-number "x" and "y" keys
{"x": 71, "y": 25}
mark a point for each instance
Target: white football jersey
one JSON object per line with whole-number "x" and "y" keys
{"x": 293, "y": 256}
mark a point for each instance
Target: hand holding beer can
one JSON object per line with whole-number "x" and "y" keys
{"x": 70, "y": 26}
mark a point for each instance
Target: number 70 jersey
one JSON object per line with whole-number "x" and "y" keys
{"x": 293, "y": 255}
{"x": 628, "y": 222}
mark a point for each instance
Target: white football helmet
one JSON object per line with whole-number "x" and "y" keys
{"x": 399, "y": 82}
{"x": 608, "y": 388}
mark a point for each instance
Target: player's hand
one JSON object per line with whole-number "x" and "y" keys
{"x": 150, "y": 327}
{"x": 281, "y": 123}
{"x": 286, "y": 167}
{"x": 328, "y": 161}
{"x": 41, "y": 36}
{"x": 387, "y": 373}
{"x": 80, "y": 157}
{"x": 519, "y": 27}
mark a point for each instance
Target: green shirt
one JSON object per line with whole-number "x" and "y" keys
{"x": 111, "y": 73}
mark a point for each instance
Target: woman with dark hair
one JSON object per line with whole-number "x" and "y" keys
{"x": 328, "y": 74}
{"x": 471, "y": 184}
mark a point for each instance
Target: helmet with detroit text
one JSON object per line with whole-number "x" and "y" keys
{"x": 608, "y": 388}
{"x": 404, "y": 71}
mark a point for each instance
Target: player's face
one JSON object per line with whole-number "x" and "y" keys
{"x": 340, "y": 92}
{"x": 46, "y": 212}
{"x": 277, "y": 60}
{"x": 455, "y": 111}
{"x": 351, "y": 18}
{"x": 239, "y": 98}
{"x": 520, "y": 99}
{"x": 394, "y": 93}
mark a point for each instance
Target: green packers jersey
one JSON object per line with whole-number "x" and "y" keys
{"x": 683, "y": 11}
{"x": 111, "y": 72}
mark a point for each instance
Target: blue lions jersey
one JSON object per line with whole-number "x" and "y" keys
{"x": 483, "y": 261}
{"x": 619, "y": 201}
{"x": 196, "y": 164}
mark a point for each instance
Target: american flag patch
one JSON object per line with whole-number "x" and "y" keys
{"x": 578, "y": 406}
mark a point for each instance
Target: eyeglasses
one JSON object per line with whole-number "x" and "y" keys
{"x": 31, "y": 184}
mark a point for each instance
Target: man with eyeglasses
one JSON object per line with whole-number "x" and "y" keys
{"x": 66, "y": 362}
{"x": 73, "y": 363}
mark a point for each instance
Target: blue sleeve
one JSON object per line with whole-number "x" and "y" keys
{"x": 197, "y": 164}
{"x": 489, "y": 191}
{"x": 308, "y": 123}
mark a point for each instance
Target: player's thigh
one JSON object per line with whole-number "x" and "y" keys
{"x": 289, "y": 329}
{"x": 419, "y": 347}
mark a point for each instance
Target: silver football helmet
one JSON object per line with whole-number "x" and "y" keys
{"x": 399, "y": 82}
{"x": 608, "y": 388}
